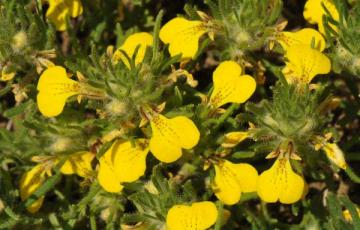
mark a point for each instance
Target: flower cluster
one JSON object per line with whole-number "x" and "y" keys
{"x": 156, "y": 144}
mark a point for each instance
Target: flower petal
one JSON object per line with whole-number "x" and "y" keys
{"x": 189, "y": 135}
{"x": 75, "y": 7}
{"x": 304, "y": 63}
{"x": 34, "y": 207}
{"x": 29, "y": 183}
{"x": 141, "y": 39}
{"x": 230, "y": 85}
{"x": 335, "y": 155}
{"x": 171, "y": 135}
{"x": 123, "y": 162}
{"x": 281, "y": 183}
{"x": 78, "y": 163}
{"x": 54, "y": 88}
{"x": 6, "y": 76}
{"x": 198, "y": 216}
{"x": 233, "y": 179}
{"x": 51, "y": 107}
{"x": 130, "y": 161}
{"x": 226, "y": 186}
{"x": 234, "y": 138}
{"x": 59, "y": 10}
{"x": 57, "y": 13}
{"x": 107, "y": 175}
{"x": 164, "y": 149}
{"x": 314, "y": 12}
{"x": 302, "y": 37}
{"x": 347, "y": 215}
{"x": 183, "y": 36}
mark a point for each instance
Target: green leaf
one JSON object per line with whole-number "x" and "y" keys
{"x": 17, "y": 110}
{"x": 6, "y": 89}
{"x": 155, "y": 49}
{"x": 355, "y": 178}
{"x": 219, "y": 220}
{"x": 243, "y": 154}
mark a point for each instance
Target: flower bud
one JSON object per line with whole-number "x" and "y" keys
{"x": 243, "y": 37}
{"x": 116, "y": 107}
{"x": 19, "y": 41}
{"x": 61, "y": 144}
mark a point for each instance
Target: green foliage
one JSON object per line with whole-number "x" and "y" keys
{"x": 246, "y": 25}
{"x": 290, "y": 116}
{"x": 345, "y": 50}
{"x": 24, "y": 37}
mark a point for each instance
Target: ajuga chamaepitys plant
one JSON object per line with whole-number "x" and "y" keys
{"x": 179, "y": 115}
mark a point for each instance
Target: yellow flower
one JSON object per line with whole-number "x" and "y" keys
{"x": 198, "y": 216}
{"x": 6, "y": 76}
{"x": 234, "y": 138}
{"x": 59, "y": 10}
{"x": 233, "y": 179}
{"x": 281, "y": 183}
{"x": 347, "y": 215}
{"x": 335, "y": 155}
{"x": 123, "y": 162}
{"x": 29, "y": 183}
{"x": 183, "y": 36}
{"x": 142, "y": 39}
{"x": 314, "y": 12}
{"x": 169, "y": 136}
{"x": 230, "y": 85}
{"x": 304, "y": 63}
{"x": 78, "y": 163}
{"x": 55, "y": 87}
{"x": 302, "y": 37}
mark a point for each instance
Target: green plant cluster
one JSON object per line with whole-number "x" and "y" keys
{"x": 278, "y": 116}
